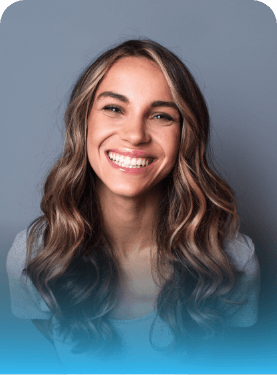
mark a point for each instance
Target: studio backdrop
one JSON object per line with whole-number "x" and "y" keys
{"x": 230, "y": 46}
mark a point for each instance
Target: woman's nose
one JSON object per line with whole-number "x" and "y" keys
{"x": 135, "y": 130}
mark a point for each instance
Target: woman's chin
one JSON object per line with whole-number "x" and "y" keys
{"x": 131, "y": 192}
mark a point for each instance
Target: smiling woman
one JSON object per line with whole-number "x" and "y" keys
{"x": 145, "y": 121}
{"x": 137, "y": 254}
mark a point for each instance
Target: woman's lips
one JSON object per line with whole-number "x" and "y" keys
{"x": 133, "y": 171}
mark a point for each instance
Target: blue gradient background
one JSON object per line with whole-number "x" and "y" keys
{"x": 229, "y": 46}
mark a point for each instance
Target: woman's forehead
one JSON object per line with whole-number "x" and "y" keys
{"x": 136, "y": 76}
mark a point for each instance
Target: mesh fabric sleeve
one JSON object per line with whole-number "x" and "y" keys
{"x": 241, "y": 306}
{"x": 26, "y": 301}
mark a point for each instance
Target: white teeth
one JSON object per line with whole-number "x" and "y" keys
{"x": 126, "y": 166}
{"x": 127, "y": 161}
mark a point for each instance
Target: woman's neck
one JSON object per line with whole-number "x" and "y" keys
{"x": 130, "y": 222}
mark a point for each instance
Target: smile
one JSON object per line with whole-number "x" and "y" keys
{"x": 128, "y": 162}
{"x": 131, "y": 166}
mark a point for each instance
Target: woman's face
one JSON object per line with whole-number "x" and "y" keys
{"x": 133, "y": 121}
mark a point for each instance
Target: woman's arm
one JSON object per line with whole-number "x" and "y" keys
{"x": 42, "y": 326}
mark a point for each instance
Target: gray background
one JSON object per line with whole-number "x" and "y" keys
{"x": 229, "y": 46}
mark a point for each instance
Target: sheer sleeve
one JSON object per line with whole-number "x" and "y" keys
{"x": 26, "y": 302}
{"x": 240, "y": 306}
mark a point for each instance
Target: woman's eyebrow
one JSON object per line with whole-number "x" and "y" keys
{"x": 123, "y": 98}
{"x": 161, "y": 103}
{"x": 114, "y": 95}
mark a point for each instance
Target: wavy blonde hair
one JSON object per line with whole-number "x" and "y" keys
{"x": 67, "y": 260}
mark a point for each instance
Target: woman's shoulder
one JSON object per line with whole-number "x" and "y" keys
{"x": 17, "y": 254}
{"x": 26, "y": 302}
{"x": 16, "y": 257}
{"x": 241, "y": 252}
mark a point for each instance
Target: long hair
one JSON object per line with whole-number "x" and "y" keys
{"x": 67, "y": 257}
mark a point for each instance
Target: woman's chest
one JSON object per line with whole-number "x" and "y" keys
{"x": 137, "y": 292}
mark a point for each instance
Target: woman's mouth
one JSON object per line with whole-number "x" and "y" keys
{"x": 129, "y": 164}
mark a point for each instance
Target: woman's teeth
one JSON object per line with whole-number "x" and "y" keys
{"x": 128, "y": 162}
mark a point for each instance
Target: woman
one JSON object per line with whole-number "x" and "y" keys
{"x": 138, "y": 249}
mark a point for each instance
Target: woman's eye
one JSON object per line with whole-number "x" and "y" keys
{"x": 163, "y": 117}
{"x": 113, "y": 109}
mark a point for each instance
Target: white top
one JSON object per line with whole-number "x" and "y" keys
{"x": 136, "y": 351}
